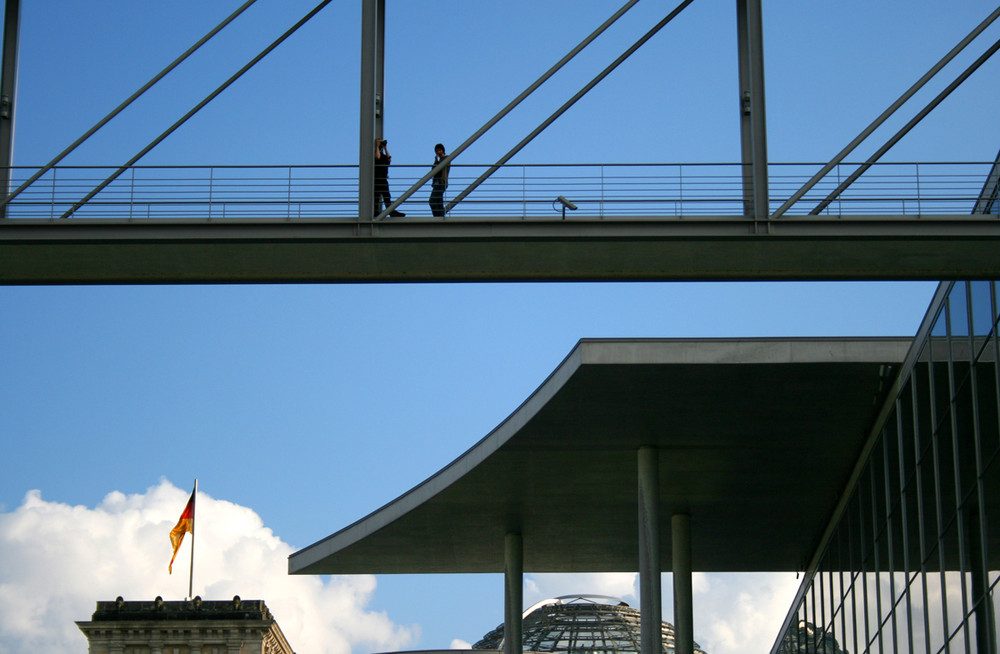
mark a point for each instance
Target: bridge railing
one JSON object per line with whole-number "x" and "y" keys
{"x": 524, "y": 191}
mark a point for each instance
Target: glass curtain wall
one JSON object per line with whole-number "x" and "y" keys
{"x": 910, "y": 563}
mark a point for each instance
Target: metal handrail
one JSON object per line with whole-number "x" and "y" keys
{"x": 520, "y": 191}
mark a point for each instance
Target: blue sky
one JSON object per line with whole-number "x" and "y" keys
{"x": 311, "y": 406}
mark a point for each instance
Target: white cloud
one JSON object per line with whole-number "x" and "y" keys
{"x": 59, "y": 559}
{"x": 736, "y": 613}
{"x": 458, "y": 643}
{"x": 622, "y": 585}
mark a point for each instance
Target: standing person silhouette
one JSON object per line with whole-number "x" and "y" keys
{"x": 382, "y": 161}
{"x": 439, "y": 183}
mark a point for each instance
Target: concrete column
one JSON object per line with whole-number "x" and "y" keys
{"x": 513, "y": 583}
{"x": 680, "y": 526}
{"x": 650, "y": 598}
{"x": 366, "y": 150}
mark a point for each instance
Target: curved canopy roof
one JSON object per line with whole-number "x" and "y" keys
{"x": 756, "y": 438}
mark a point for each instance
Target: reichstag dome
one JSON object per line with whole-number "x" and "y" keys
{"x": 581, "y": 624}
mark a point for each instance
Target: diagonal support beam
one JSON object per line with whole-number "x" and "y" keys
{"x": 989, "y": 197}
{"x": 198, "y": 107}
{"x": 569, "y": 103}
{"x": 117, "y": 110}
{"x": 865, "y": 133}
{"x": 938, "y": 99}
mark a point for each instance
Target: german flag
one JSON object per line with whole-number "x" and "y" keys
{"x": 185, "y": 524}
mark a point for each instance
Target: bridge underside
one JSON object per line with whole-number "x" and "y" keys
{"x": 610, "y": 249}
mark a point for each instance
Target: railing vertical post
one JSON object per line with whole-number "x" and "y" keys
{"x": 524, "y": 192}
{"x": 211, "y": 188}
{"x": 920, "y": 209}
{"x": 288, "y": 215}
{"x": 602, "y": 190}
{"x": 52, "y": 209}
{"x": 679, "y": 210}
{"x": 131, "y": 193}
{"x": 840, "y": 199}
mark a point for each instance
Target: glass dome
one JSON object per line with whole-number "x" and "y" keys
{"x": 807, "y": 639}
{"x": 581, "y": 624}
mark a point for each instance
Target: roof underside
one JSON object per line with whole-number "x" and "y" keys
{"x": 757, "y": 438}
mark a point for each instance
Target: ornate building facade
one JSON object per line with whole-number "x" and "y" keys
{"x": 184, "y": 627}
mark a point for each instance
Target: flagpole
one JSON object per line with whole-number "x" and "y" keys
{"x": 194, "y": 514}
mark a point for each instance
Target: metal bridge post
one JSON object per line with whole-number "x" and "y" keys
{"x": 379, "y": 67}
{"x": 753, "y": 118}
{"x": 8, "y": 86}
{"x": 369, "y": 77}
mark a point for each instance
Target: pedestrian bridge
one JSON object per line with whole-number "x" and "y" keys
{"x": 178, "y": 224}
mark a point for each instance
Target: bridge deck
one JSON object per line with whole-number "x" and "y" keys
{"x": 622, "y": 248}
